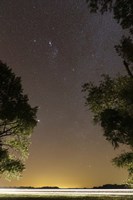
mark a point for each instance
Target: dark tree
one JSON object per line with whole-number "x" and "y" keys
{"x": 123, "y": 13}
{"x": 122, "y": 10}
{"x": 112, "y": 100}
{"x": 17, "y": 120}
{"x": 112, "y": 105}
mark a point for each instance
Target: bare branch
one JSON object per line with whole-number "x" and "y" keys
{"x": 8, "y": 131}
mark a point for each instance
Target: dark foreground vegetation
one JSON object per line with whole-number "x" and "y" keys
{"x": 7, "y": 197}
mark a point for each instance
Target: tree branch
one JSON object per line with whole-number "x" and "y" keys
{"x": 5, "y": 133}
{"x": 128, "y": 69}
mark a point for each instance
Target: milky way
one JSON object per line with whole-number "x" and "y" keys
{"x": 56, "y": 46}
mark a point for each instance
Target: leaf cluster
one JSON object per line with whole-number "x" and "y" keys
{"x": 112, "y": 105}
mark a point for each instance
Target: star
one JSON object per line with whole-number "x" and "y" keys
{"x": 50, "y": 43}
{"x": 73, "y": 69}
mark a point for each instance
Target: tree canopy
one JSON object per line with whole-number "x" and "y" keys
{"x": 17, "y": 120}
{"x": 123, "y": 13}
{"x": 111, "y": 101}
{"x": 122, "y": 10}
{"x": 112, "y": 105}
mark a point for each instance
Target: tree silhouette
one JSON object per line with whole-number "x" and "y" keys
{"x": 112, "y": 100}
{"x": 112, "y": 105}
{"x": 123, "y": 14}
{"x": 122, "y": 10}
{"x": 17, "y": 120}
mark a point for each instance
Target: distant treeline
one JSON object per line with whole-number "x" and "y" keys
{"x": 30, "y": 187}
{"x": 112, "y": 186}
{"x": 106, "y": 186}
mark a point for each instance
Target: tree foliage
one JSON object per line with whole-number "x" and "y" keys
{"x": 112, "y": 105}
{"x": 123, "y": 13}
{"x": 122, "y": 10}
{"x": 17, "y": 120}
{"x": 112, "y": 100}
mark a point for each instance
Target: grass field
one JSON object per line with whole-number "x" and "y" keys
{"x": 9, "y": 197}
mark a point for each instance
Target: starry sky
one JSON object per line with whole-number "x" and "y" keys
{"x": 56, "y": 46}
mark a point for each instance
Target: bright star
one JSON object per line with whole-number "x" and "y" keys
{"x": 50, "y": 43}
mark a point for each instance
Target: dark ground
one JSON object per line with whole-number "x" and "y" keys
{"x": 64, "y": 198}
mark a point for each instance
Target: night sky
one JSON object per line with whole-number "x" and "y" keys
{"x": 56, "y": 46}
